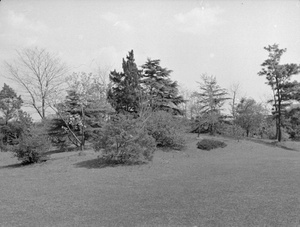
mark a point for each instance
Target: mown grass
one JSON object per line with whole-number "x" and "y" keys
{"x": 243, "y": 184}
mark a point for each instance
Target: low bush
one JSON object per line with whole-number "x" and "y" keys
{"x": 231, "y": 130}
{"x": 209, "y": 144}
{"x": 32, "y": 147}
{"x": 167, "y": 130}
{"x": 124, "y": 140}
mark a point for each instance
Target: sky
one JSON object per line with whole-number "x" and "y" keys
{"x": 225, "y": 39}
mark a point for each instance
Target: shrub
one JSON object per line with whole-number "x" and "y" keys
{"x": 125, "y": 140}
{"x": 231, "y": 130}
{"x": 32, "y": 147}
{"x": 167, "y": 130}
{"x": 209, "y": 144}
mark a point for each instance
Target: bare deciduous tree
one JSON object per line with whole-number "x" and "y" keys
{"x": 40, "y": 74}
{"x": 234, "y": 91}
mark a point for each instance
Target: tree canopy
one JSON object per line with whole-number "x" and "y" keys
{"x": 160, "y": 90}
{"x": 40, "y": 74}
{"x": 10, "y": 103}
{"x": 211, "y": 97}
{"x": 249, "y": 114}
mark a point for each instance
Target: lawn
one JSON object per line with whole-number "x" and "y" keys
{"x": 244, "y": 184}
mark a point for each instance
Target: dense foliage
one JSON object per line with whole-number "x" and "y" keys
{"x": 32, "y": 146}
{"x": 211, "y": 97}
{"x": 249, "y": 115}
{"x": 76, "y": 121}
{"x": 125, "y": 93}
{"x": 138, "y": 110}
{"x": 10, "y": 103}
{"x": 209, "y": 144}
{"x": 167, "y": 130}
{"x": 160, "y": 90}
{"x": 124, "y": 139}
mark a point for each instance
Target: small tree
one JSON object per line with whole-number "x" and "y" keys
{"x": 278, "y": 76}
{"x": 124, "y": 140}
{"x": 10, "y": 103}
{"x": 212, "y": 97}
{"x": 10, "y": 106}
{"x": 83, "y": 110}
{"x": 167, "y": 130}
{"x": 234, "y": 91}
{"x": 40, "y": 74}
{"x": 33, "y": 145}
{"x": 76, "y": 119}
{"x": 89, "y": 87}
{"x": 249, "y": 115}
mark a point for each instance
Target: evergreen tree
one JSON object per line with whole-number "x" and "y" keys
{"x": 10, "y": 103}
{"x": 78, "y": 119}
{"x": 278, "y": 77}
{"x": 10, "y": 107}
{"x": 160, "y": 90}
{"x": 125, "y": 93}
{"x": 212, "y": 97}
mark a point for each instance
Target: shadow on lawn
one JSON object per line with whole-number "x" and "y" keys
{"x": 272, "y": 144}
{"x": 13, "y": 166}
{"x": 57, "y": 151}
{"x": 99, "y": 163}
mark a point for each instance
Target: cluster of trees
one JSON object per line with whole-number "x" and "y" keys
{"x": 139, "y": 107}
{"x": 247, "y": 116}
{"x": 14, "y": 121}
{"x": 92, "y": 109}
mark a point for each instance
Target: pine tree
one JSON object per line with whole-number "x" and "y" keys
{"x": 160, "y": 90}
{"x": 10, "y": 103}
{"x": 278, "y": 77}
{"x": 212, "y": 97}
{"x": 125, "y": 93}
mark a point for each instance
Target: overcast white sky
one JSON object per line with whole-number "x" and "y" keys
{"x": 220, "y": 38}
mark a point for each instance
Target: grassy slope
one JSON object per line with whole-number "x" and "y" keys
{"x": 244, "y": 184}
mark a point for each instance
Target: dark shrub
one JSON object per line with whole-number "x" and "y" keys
{"x": 167, "y": 130}
{"x": 32, "y": 147}
{"x": 208, "y": 144}
{"x": 125, "y": 140}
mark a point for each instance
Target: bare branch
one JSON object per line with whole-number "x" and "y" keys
{"x": 41, "y": 76}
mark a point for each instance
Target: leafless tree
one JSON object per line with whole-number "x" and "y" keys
{"x": 234, "y": 92}
{"x": 40, "y": 74}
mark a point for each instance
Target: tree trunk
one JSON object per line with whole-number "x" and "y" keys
{"x": 82, "y": 132}
{"x": 279, "y": 110}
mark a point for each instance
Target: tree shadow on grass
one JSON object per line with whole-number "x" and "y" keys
{"x": 13, "y": 166}
{"x": 99, "y": 163}
{"x": 57, "y": 151}
{"x": 272, "y": 144}
{"x": 25, "y": 164}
